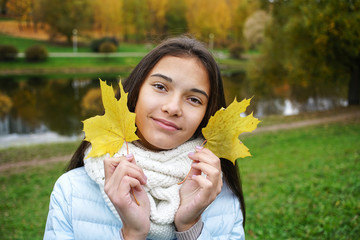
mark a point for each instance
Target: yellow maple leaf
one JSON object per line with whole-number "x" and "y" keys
{"x": 223, "y": 130}
{"x": 108, "y": 132}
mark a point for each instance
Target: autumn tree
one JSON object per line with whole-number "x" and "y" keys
{"x": 254, "y": 28}
{"x": 156, "y": 16}
{"x": 3, "y": 8}
{"x": 134, "y": 19}
{"x": 176, "y": 18}
{"x": 312, "y": 43}
{"x": 63, "y": 16}
{"x": 20, "y": 9}
{"x": 108, "y": 17}
{"x": 240, "y": 10}
{"x": 205, "y": 17}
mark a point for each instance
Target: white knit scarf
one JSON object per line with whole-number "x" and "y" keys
{"x": 163, "y": 170}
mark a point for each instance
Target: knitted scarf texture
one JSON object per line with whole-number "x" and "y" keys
{"x": 163, "y": 170}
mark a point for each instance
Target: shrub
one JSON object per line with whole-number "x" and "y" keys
{"x": 36, "y": 53}
{"x": 236, "y": 50}
{"x": 107, "y": 47}
{"x": 8, "y": 53}
{"x": 95, "y": 44}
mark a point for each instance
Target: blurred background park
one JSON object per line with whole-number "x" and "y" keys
{"x": 299, "y": 60}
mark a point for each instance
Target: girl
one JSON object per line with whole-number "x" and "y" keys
{"x": 173, "y": 91}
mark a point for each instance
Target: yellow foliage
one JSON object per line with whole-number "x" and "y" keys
{"x": 5, "y": 104}
{"x": 208, "y": 16}
{"x": 108, "y": 17}
{"x": 91, "y": 103}
{"x": 108, "y": 132}
{"x": 223, "y": 130}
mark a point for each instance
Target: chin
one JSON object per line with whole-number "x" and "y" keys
{"x": 166, "y": 146}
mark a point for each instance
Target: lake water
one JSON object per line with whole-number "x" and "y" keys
{"x": 51, "y": 108}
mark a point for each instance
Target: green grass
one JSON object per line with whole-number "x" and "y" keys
{"x": 299, "y": 184}
{"x": 57, "y": 63}
{"x": 23, "y": 43}
{"x": 304, "y": 183}
{"x": 64, "y": 63}
{"x": 41, "y": 151}
{"x": 24, "y": 201}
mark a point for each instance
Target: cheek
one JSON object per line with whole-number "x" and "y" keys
{"x": 195, "y": 119}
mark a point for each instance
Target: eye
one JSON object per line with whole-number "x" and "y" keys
{"x": 159, "y": 86}
{"x": 195, "y": 101}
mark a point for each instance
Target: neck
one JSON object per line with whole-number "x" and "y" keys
{"x": 139, "y": 144}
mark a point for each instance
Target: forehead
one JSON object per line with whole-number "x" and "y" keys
{"x": 186, "y": 65}
{"x": 182, "y": 69}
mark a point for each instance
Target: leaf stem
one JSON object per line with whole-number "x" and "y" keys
{"x": 132, "y": 192}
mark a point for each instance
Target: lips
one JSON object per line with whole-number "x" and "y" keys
{"x": 166, "y": 124}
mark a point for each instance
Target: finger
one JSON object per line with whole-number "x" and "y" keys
{"x": 130, "y": 182}
{"x": 206, "y": 168}
{"x": 121, "y": 195}
{"x": 207, "y": 157}
{"x": 210, "y": 187}
{"x": 123, "y": 166}
{"x": 110, "y": 165}
{"x": 126, "y": 168}
{"x": 204, "y": 154}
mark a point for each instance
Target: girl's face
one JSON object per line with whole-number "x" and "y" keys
{"x": 172, "y": 102}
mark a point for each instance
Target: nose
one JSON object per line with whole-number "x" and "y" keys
{"x": 172, "y": 106}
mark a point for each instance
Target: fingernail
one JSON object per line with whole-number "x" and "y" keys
{"x": 199, "y": 147}
{"x": 191, "y": 154}
{"x": 129, "y": 156}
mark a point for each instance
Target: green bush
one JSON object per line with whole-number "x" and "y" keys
{"x": 95, "y": 44}
{"x": 107, "y": 47}
{"x": 36, "y": 53}
{"x": 8, "y": 53}
{"x": 236, "y": 50}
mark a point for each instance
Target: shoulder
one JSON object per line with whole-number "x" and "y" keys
{"x": 72, "y": 177}
{"x": 74, "y": 182}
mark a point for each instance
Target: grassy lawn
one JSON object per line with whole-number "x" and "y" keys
{"x": 23, "y": 43}
{"x": 40, "y": 151}
{"x": 68, "y": 62}
{"x": 299, "y": 184}
{"x": 61, "y": 63}
{"x": 304, "y": 183}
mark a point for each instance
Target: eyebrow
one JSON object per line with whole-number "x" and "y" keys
{"x": 170, "y": 80}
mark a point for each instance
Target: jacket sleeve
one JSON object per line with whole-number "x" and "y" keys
{"x": 58, "y": 223}
{"x": 223, "y": 220}
{"x": 236, "y": 234}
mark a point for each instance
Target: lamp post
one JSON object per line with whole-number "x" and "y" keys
{"x": 211, "y": 41}
{"x": 75, "y": 40}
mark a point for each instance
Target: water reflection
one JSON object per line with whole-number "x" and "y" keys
{"x": 46, "y": 104}
{"x": 52, "y": 104}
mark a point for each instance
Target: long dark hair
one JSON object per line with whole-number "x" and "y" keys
{"x": 180, "y": 47}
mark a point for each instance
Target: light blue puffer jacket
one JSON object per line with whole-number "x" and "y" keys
{"x": 77, "y": 211}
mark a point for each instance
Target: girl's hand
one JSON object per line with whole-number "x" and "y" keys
{"x": 198, "y": 191}
{"x": 123, "y": 180}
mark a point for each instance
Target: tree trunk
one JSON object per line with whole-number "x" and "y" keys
{"x": 354, "y": 84}
{"x": 69, "y": 39}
